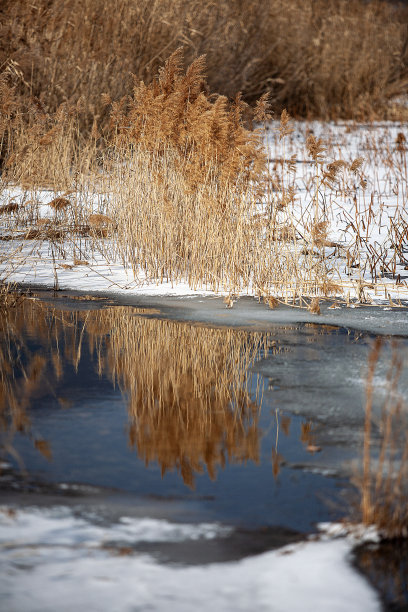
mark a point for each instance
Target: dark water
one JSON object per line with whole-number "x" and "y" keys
{"x": 256, "y": 430}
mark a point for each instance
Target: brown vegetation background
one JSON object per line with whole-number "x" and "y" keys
{"x": 317, "y": 58}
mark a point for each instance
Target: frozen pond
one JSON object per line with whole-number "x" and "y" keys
{"x": 223, "y": 441}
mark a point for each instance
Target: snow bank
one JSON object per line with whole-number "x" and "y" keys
{"x": 52, "y": 560}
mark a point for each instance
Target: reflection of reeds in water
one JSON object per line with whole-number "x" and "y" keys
{"x": 34, "y": 342}
{"x": 22, "y": 372}
{"x": 193, "y": 403}
{"x": 190, "y": 402}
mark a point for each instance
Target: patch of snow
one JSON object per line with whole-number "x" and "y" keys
{"x": 58, "y": 526}
{"x": 51, "y": 560}
{"x": 357, "y": 533}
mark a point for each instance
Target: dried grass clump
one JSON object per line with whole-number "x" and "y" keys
{"x": 10, "y": 208}
{"x": 193, "y": 198}
{"x": 45, "y": 150}
{"x": 314, "y": 306}
{"x": 59, "y": 204}
{"x": 39, "y": 148}
{"x": 98, "y": 220}
{"x": 187, "y": 177}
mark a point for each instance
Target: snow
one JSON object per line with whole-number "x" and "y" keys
{"x": 36, "y": 267}
{"x": 51, "y": 559}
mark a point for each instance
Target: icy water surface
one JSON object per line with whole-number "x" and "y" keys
{"x": 113, "y": 411}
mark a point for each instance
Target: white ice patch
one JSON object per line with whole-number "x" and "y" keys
{"x": 50, "y": 560}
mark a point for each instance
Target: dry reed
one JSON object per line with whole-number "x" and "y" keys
{"x": 384, "y": 480}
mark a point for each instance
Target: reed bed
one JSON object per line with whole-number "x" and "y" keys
{"x": 324, "y": 58}
{"x": 182, "y": 189}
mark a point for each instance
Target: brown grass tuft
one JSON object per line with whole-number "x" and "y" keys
{"x": 272, "y": 302}
{"x": 9, "y": 208}
{"x": 59, "y": 204}
{"x": 99, "y": 220}
{"x": 314, "y": 306}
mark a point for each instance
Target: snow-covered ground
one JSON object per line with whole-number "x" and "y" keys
{"x": 51, "y": 560}
{"x": 365, "y": 211}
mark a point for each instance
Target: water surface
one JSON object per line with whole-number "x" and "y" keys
{"x": 114, "y": 407}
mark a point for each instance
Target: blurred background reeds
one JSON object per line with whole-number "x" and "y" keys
{"x": 324, "y": 58}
